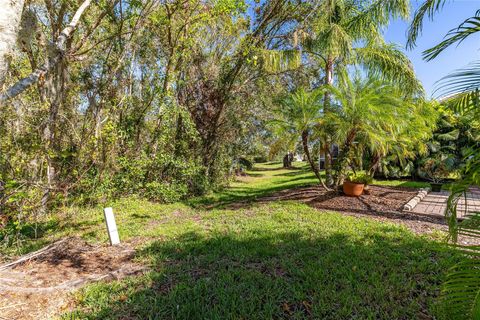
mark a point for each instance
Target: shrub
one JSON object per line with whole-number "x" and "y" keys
{"x": 164, "y": 192}
{"x": 360, "y": 178}
{"x": 436, "y": 168}
{"x": 260, "y": 159}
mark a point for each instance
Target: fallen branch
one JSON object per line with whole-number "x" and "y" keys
{"x": 76, "y": 283}
{"x": 32, "y": 255}
{"x": 13, "y": 305}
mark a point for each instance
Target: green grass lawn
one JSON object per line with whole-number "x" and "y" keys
{"x": 267, "y": 178}
{"x": 277, "y": 260}
{"x": 264, "y": 179}
{"x": 281, "y": 260}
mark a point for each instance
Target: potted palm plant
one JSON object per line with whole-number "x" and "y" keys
{"x": 435, "y": 169}
{"x": 354, "y": 184}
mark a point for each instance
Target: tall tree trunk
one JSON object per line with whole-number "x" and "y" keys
{"x": 310, "y": 160}
{"x": 55, "y": 88}
{"x": 10, "y": 17}
{"x": 326, "y": 110}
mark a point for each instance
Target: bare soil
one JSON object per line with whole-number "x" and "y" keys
{"x": 39, "y": 287}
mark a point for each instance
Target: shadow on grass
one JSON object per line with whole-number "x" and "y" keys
{"x": 414, "y": 184}
{"x": 382, "y": 274}
{"x": 403, "y": 183}
{"x": 266, "y": 169}
{"x": 383, "y": 201}
{"x": 238, "y": 196}
{"x": 296, "y": 179}
{"x": 255, "y": 175}
{"x": 294, "y": 172}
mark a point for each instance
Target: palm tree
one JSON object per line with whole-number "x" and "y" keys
{"x": 300, "y": 113}
{"x": 371, "y": 114}
{"x": 349, "y": 32}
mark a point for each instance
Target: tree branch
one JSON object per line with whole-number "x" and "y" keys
{"x": 26, "y": 82}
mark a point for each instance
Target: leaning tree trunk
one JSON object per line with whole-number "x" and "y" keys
{"x": 326, "y": 110}
{"x": 310, "y": 160}
{"x": 10, "y": 17}
{"x": 41, "y": 72}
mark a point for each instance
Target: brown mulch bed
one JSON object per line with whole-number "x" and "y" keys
{"x": 382, "y": 204}
{"x": 379, "y": 199}
{"x": 38, "y": 287}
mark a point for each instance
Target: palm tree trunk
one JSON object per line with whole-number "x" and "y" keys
{"x": 309, "y": 159}
{"x": 374, "y": 165}
{"x": 344, "y": 158}
{"x": 326, "y": 110}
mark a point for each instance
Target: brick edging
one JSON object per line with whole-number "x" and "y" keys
{"x": 415, "y": 200}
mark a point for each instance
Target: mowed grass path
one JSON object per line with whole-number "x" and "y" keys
{"x": 267, "y": 178}
{"x": 282, "y": 260}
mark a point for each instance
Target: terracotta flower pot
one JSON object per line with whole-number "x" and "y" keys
{"x": 353, "y": 189}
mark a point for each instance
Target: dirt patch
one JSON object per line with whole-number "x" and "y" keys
{"x": 38, "y": 288}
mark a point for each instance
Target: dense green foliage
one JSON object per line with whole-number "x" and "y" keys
{"x": 148, "y": 98}
{"x": 344, "y": 39}
{"x": 87, "y": 222}
{"x": 453, "y": 135}
{"x": 461, "y": 93}
{"x": 168, "y": 101}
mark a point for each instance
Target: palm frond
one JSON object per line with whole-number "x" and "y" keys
{"x": 388, "y": 62}
{"x": 365, "y": 23}
{"x": 449, "y": 136}
{"x": 460, "y": 89}
{"x": 461, "y": 291}
{"x": 280, "y": 60}
{"x": 457, "y": 35}
{"x": 427, "y": 9}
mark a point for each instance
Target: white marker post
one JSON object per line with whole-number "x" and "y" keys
{"x": 111, "y": 226}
